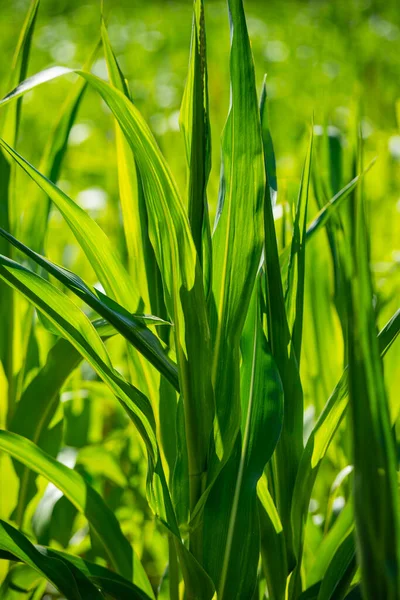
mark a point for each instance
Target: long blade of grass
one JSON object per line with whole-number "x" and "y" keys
{"x": 142, "y": 263}
{"x": 376, "y": 499}
{"x": 195, "y": 126}
{"x": 130, "y": 327}
{"x": 294, "y": 293}
{"x": 323, "y": 217}
{"x": 320, "y": 439}
{"x": 72, "y": 324}
{"x": 290, "y": 445}
{"x": 269, "y": 153}
{"x": 93, "y": 241}
{"x": 232, "y": 530}
{"x": 238, "y": 233}
{"x": 9, "y": 209}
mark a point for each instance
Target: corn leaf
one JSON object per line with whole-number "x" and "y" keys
{"x": 9, "y": 205}
{"x": 131, "y": 328}
{"x": 321, "y": 437}
{"x": 93, "y": 241}
{"x": 290, "y": 445}
{"x": 85, "y": 499}
{"x": 294, "y": 293}
{"x": 237, "y": 237}
{"x": 77, "y": 329}
{"x": 340, "y": 572}
{"x": 70, "y": 581}
{"x": 38, "y": 404}
{"x": 110, "y": 583}
{"x": 376, "y": 500}
{"x": 195, "y": 126}
{"x": 226, "y": 532}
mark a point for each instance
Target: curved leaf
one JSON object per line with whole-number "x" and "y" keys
{"x": 72, "y": 324}
{"x": 69, "y": 580}
{"x": 320, "y": 438}
{"x": 85, "y": 499}
{"x": 129, "y": 326}
{"x": 112, "y": 584}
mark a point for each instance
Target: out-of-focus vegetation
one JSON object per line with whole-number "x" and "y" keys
{"x": 333, "y": 64}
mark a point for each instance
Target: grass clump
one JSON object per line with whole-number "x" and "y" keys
{"x": 201, "y": 332}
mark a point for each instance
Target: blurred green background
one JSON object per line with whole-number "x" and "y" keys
{"x": 332, "y": 61}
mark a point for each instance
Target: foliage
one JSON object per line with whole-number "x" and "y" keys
{"x": 173, "y": 404}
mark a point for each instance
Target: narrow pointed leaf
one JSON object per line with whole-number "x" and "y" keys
{"x": 194, "y": 120}
{"x": 290, "y": 445}
{"x": 69, "y": 580}
{"x": 233, "y": 531}
{"x": 85, "y": 499}
{"x": 129, "y": 326}
{"x": 110, "y": 583}
{"x": 376, "y": 498}
{"x": 238, "y": 233}
{"x": 77, "y": 329}
{"x": 321, "y": 437}
{"x": 294, "y": 293}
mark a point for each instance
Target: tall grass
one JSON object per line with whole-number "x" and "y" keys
{"x": 209, "y": 319}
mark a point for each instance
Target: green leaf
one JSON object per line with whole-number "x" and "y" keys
{"x": 343, "y": 525}
{"x": 129, "y": 326}
{"x": 93, "y": 241}
{"x": 9, "y": 120}
{"x": 9, "y": 201}
{"x": 290, "y": 445}
{"x": 376, "y": 500}
{"x": 142, "y": 263}
{"x": 294, "y": 293}
{"x": 19, "y": 582}
{"x": 195, "y": 126}
{"x": 77, "y": 329}
{"x": 112, "y": 584}
{"x": 269, "y": 153}
{"x": 39, "y": 401}
{"x": 69, "y": 580}
{"x": 85, "y": 499}
{"x": 272, "y": 546}
{"x": 238, "y": 234}
{"x": 320, "y": 439}
{"x": 323, "y": 217}
{"x": 340, "y": 572}
{"x": 232, "y": 531}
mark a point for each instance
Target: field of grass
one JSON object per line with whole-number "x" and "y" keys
{"x": 199, "y": 300}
